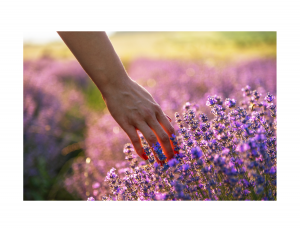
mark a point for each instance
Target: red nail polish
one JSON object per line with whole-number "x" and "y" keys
{"x": 169, "y": 118}
{"x": 144, "y": 156}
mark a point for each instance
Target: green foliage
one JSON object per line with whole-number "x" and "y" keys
{"x": 248, "y": 38}
{"x": 93, "y": 97}
{"x": 44, "y": 187}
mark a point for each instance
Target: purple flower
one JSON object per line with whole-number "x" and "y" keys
{"x": 211, "y": 101}
{"x": 242, "y": 147}
{"x": 272, "y": 171}
{"x": 173, "y": 163}
{"x": 269, "y": 98}
{"x": 230, "y": 103}
{"x": 196, "y": 153}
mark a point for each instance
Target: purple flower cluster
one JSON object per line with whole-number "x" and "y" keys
{"x": 231, "y": 157}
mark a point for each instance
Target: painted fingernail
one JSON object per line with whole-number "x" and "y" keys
{"x": 144, "y": 156}
{"x": 169, "y": 118}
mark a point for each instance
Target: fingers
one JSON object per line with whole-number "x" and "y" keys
{"x": 165, "y": 122}
{"x": 136, "y": 141}
{"x": 163, "y": 136}
{"x": 156, "y": 127}
{"x": 166, "y": 125}
{"x": 149, "y": 135}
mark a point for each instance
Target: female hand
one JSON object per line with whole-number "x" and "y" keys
{"x": 134, "y": 109}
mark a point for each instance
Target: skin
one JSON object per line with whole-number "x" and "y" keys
{"x": 131, "y": 105}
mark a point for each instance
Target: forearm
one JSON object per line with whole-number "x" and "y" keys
{"x": 98, "y": 58}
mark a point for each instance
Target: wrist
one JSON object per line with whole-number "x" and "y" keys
{"x": 113, "y": 84}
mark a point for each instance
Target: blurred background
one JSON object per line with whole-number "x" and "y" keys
{"x": 70, "y": 139}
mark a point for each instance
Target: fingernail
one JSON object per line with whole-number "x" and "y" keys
{"x": 144, "y": 156}
{"x": 169, "y": 118}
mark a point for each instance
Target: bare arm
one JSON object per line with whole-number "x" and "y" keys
{"x": 130, "y": 104}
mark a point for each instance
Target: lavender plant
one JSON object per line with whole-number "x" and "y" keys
{"x": 231, "y": 157}
{"x": 51, "y": 122}
{"x": 56, "y": 113}
{"x": 172, "y": 83}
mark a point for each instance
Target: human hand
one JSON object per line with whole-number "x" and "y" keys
{"x": 134, "y": 109}
{"x": 129, "y": 103}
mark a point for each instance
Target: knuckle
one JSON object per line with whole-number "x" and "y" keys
{"x": 135, "y": 140}
{"x": 152, "y": 139}
{"x": 164, "y": 137}
{"x": 136, "y": 115}
{"x": 171, "y": 129}
{"x": 148, "y": 114}
{"x": 137, "y": 122}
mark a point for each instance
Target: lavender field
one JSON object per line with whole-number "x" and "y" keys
{"x": 224, "y": 116}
